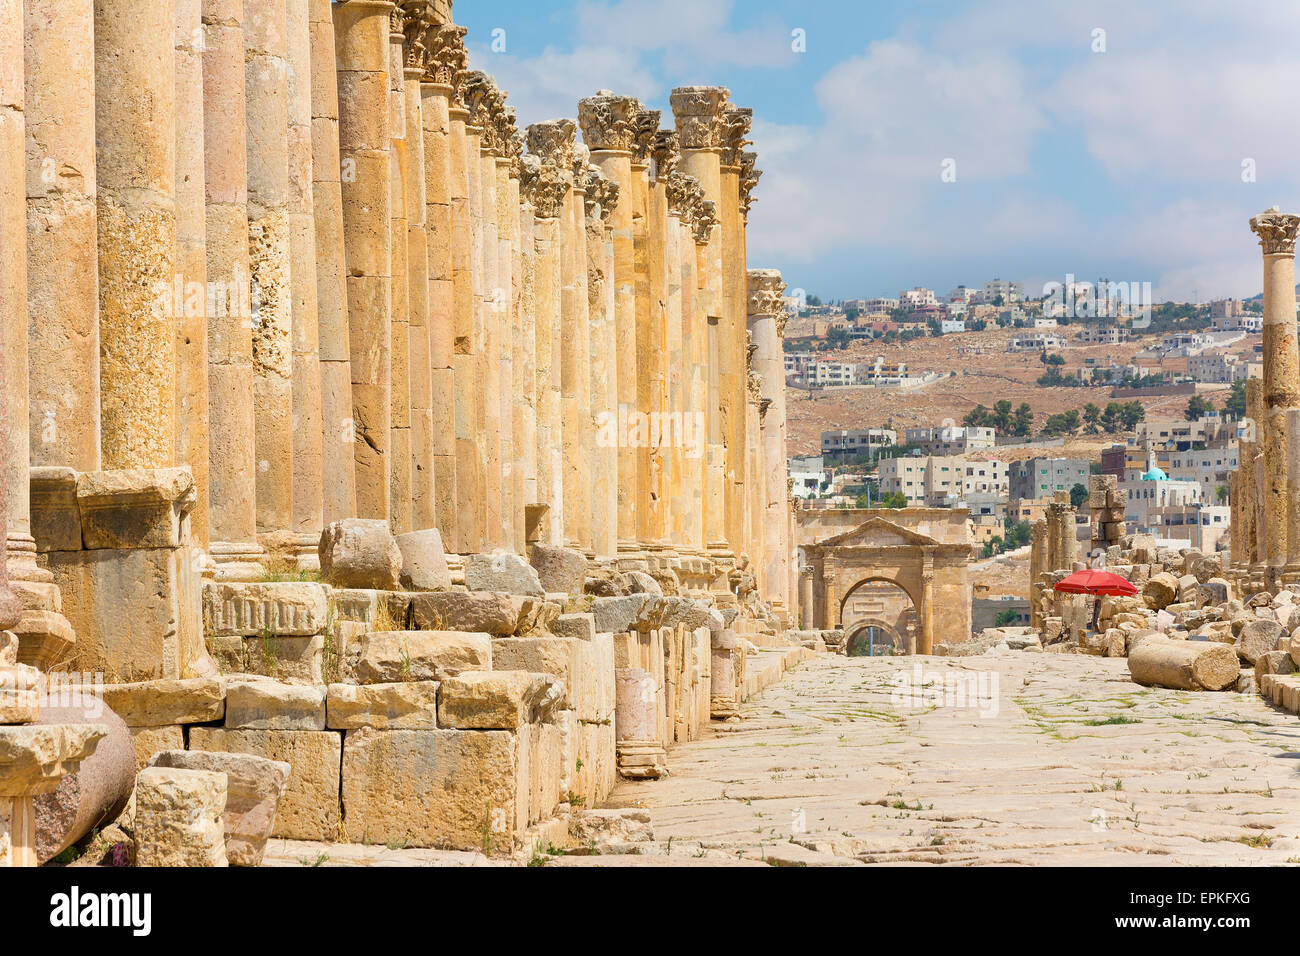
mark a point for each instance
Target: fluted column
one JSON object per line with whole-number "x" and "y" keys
{"x": 135, "y": 143}
{"x": 419, "y": 350}
{"x": 506, "y": 303}
{"x": 62, "y": 290}
{"x": 601, "y": 196}
{"x": 361, "y": 46}
{"x": 609, "y": 124}
{"x": 699, "y": 114}
{"x": 1277, "y": 234}
{"x": 308, "y": 501}
{"x": 338, "y": 461}
{"x": 553, "y": 143}
{"x": 445, "y": 59}
{"x": 232, "y": 456}
{"x": 767, "y": 326}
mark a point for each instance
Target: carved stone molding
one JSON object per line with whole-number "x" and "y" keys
{"x": 1276, "y": 231}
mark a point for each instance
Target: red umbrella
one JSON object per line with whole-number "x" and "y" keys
{"x": 1089, "y": 581}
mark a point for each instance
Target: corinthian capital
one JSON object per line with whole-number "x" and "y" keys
{"x": 736, "y": 123}
{"x": 446, "y": 54}
{"x": 705, "y": 219}
{"x": 749, "y": 177}
{"x": 1276, "y": 231}
{"x": 665, "y": 154}
{"x": 685, "y": 195}
{"x": 554, "y": 142}
{"x": 601, "y": 194}
{"x": 647, "y": 125}
{"x": 698, "y": 111}
{"x": 420, "y": 24}
{"x": 608, "y": 120}
{"x": 485, "y": 103}
{"x": 765, "y": 287}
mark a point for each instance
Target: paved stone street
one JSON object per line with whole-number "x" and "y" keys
{"x": 1065, "y": 762}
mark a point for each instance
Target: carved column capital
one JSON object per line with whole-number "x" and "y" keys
{"x": 1276, "y": 231}
{"x": 601, "y": 194}
{"x": 647, "y": 125}
{"x": 609, "y": 120}
{"x": 736, "y": 122}
{"x": 705, "y": 220}
{"x": 445, "y": 57}
{"x": 749, "y": 177}
{"x": 698, "y": 112}
{"x": 665, "y": 154}
{"x": 485, "y": 103}
{"x": 765, "y": 287}
{"x": 554, "y": 142}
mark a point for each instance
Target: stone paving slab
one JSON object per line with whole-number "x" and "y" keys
{"x": 1064, "y": 761}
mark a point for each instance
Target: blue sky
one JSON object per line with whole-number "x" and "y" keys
{"x": 1105, "y": 138}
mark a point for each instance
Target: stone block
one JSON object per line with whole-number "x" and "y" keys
{"x": 178, "y": 817}
{"x": 490, "y": 612}
{"x": 360, "y": 553}
{"x": 496, "y": 700}
{"x": 411, "y": 705}
{"x": 283, "y": 608}
{"x": 502, "y": 571}
{"x": 389, "y": 656}
{"x": 290, "y": 659}
{"x": 557, "y": 656}
{"x": 272, "y": 705}
{"x": 309, "y": 809}
{"x": 151, "y": 740}
{"x": 424, "y": 561}
{"x": 631, "y": 612}
{"x": 254, "y": 788}
{"x": 136, "y": 612}
{"x": 454, "y": 789}
{"x": 55, "y": 517}
{"x": 580, "y": 626}
{"x": 1257, "y": 638}
{"x": 158, "y": 703}
{"x": 559, "y": 569}
{"x": 134, "y": 508}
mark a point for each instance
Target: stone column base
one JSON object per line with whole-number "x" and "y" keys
{"x": 641, "y": 760}
{"x": 237, "y": 561}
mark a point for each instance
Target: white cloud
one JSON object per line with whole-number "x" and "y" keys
{"x": 549, "y": 85}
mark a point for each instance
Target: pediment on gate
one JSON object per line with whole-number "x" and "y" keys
{"x": 878, "y": 532}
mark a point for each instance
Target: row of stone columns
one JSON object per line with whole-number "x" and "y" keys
{"x": 329, "y": 281}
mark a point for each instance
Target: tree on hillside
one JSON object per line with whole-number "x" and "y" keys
{"x": 1022, "y": 426}
{"x": 1197, "y": 406}
{"x": 1078, "y": 494}
{"x": 1235, "y": 404}
{"x": 1092, "y": 418}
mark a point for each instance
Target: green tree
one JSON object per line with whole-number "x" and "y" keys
{"x": 1005, "y": 618}
{"x": 1023, "y": 424}
{"x": 1078, "y": 494}
{"x": 1197, "y": 406}
{"x": 1235, "y": 404}
{"x": 1221, "y": 494}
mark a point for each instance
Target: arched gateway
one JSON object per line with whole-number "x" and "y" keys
{"x": 923, "y": 551}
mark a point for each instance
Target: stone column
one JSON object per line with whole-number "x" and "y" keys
{"x": 189, "y": 288}
{"x": 135, "y": 143}
{"x": 525, "y": 372}
{"x": 62, "y": 327}
{"x": 767, "y": 325}
{"x": 601, "y": 196}
{"x": 13, "y": 316}
{"x": 307, "y": 424}
{"x": 399, "y": 448}
{"x": 1256, "y": 412}
{"x": 446, "y": 58}
{"x": 232, "y": 457}
{"x": 675, "y": 373}
{"x": 361, "y": 48}
{"x": 925, "y": 640}
{"x": 33, "y": 760}
{"x": 1037, "y": 565}
{"x": 419, "y": 352}
{"x": 469, "y": 472}
{"x": 484, "y": 100}
{"x": 506, "y": 303}
{"x": 266, "y": 90}
{"x": 609, "y": 125}
{"x": 699, "y": 114}
{"x": 518, "y": 340}
{"x": 806, "y": 619}
{"x": 553, "y": 143}
{"x": 1277, "y": 234}
{"x": 736, "y": 123}
{"x": 646, "y": 234}
{"x": 577, "y": 432}
{"x": 338, "y": 463}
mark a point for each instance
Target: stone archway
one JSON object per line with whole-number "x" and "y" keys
{"x": 884, "y": 605}
{"x": 875, "y": 638}
{"x": 923, "y": 551}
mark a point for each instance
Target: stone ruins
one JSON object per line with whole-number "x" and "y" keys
{"x": 379, "y": 469}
